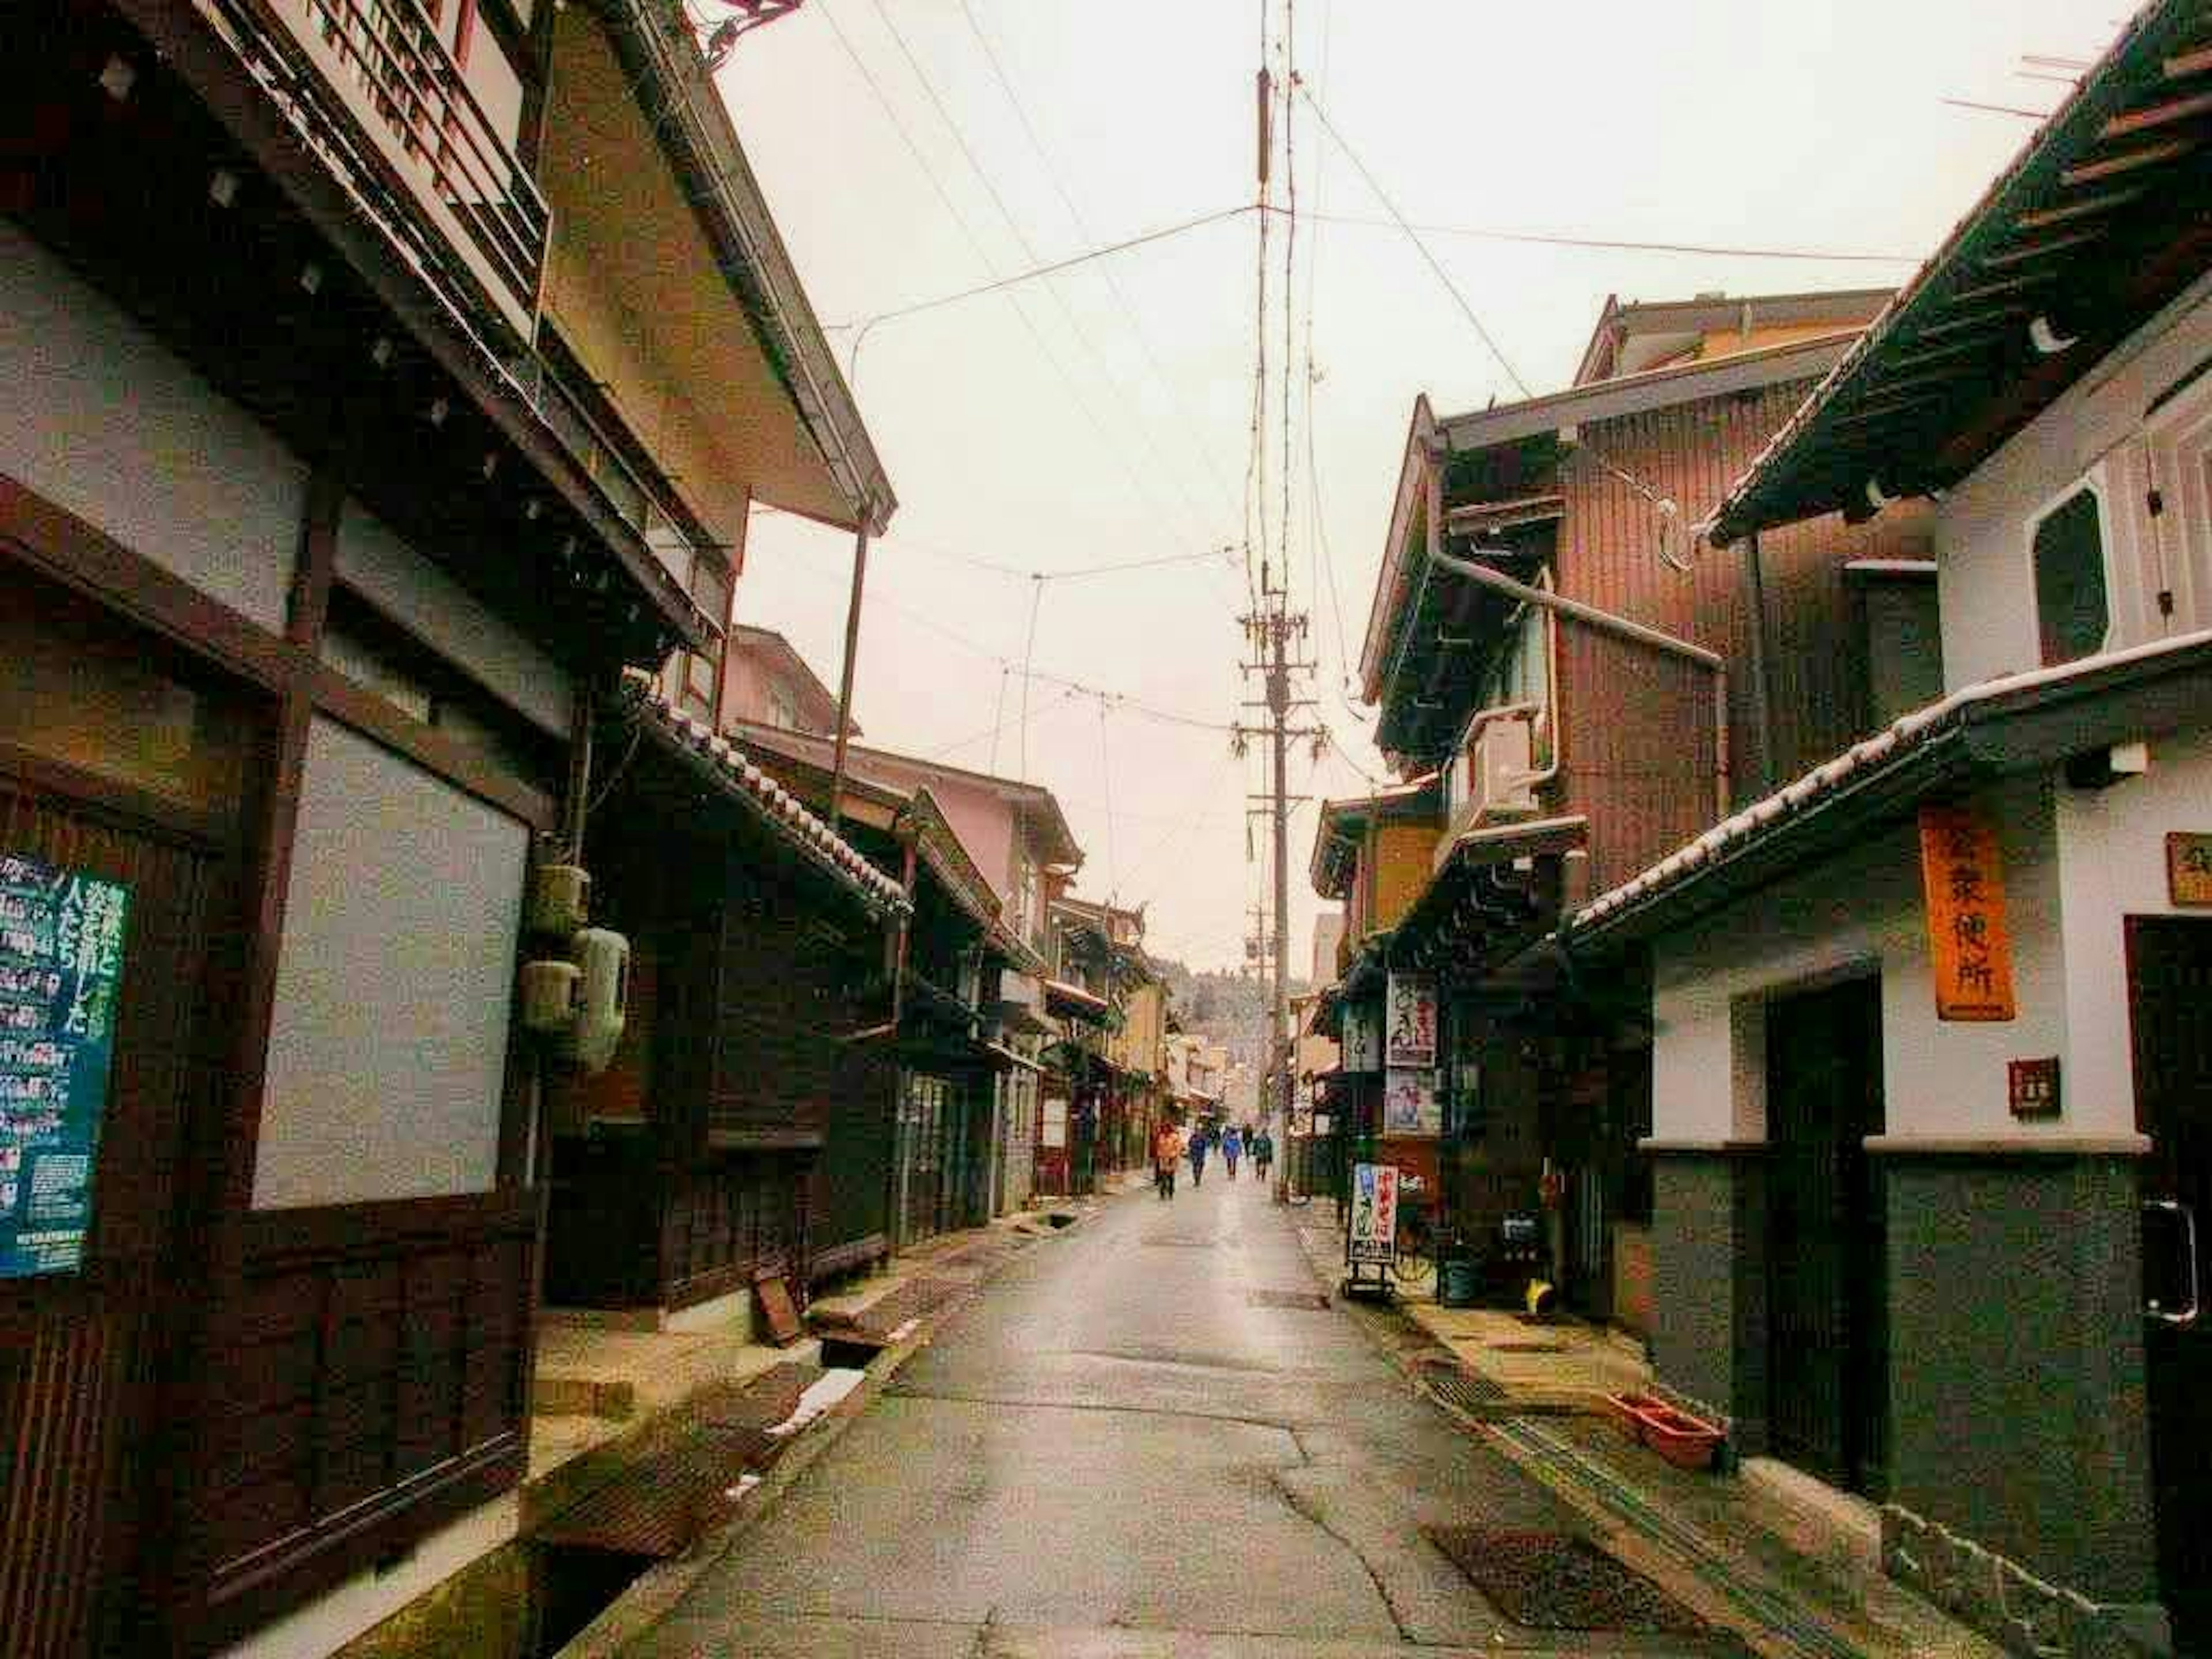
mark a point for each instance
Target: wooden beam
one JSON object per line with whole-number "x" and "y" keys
{"x": 2146, "y": 156}
{"x": 2158, "y": 115}
{"x": 2199, "y": 62}
{"x": 2030, "y": 252}
{"x": 2069, "y": 211}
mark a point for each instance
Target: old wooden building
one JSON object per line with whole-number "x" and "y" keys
{"x": 1588, "y": 692}
{"x": 323, "y": 537}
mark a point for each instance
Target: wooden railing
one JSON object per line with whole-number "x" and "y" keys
{"x": 378, "y": 68}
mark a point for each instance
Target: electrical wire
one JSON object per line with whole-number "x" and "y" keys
{"x": 1050, "y": 268}
{"x": 1083, "y": 334}
{"x": 968, "y": 232}
{"x": 1622, "y": 245}
{"x": 1137, "y": 329}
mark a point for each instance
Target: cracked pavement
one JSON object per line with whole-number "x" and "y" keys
{"x": 1112, "y": 1453}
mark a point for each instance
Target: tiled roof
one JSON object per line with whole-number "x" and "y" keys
{"x": 782, "y": 811}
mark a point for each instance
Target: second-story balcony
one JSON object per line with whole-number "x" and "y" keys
{"x": 375, "y": 88}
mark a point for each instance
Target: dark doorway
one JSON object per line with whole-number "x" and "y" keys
{"x": 2170, "y": 1000}
{"x": 1828, "y": 1396}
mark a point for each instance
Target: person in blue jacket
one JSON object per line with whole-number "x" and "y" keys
{"x": 1201, "y": 1140}
{"x": 1232, "y": 1148}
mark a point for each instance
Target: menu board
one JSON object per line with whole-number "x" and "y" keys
{"x": 61, "y": 959}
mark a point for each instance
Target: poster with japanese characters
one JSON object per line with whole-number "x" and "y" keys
{"x": 1363, "y": 1039}
{"x": 1969, "y": 940}
{"x": 1372, "y": 1234}
{"x": 61, "y": 959}
{"x": 1410, "y": 1022}
{"x": 1410, "y": 1105}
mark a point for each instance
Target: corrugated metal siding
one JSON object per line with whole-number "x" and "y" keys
{"x": 1639, "y": 728}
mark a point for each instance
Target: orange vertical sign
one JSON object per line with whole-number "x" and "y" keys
{"x": 1969, "y": 940}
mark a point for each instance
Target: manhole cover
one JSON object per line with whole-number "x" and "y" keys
{"x": 1478, "y": 1396}
{"x": 1554, "y": 1580}
{"x": 1286, "y": 1298}
{"x": 1527, "y": 1347}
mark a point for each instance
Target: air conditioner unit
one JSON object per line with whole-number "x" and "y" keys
{"x": 1502, "y": 769}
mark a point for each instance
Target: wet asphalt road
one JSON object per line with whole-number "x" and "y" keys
{"x": 1115, "y": 1453}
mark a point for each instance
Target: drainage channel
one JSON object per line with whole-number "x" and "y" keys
{"x": 1771, "y": 1612}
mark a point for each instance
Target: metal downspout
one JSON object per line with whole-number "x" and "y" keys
{"x": 1762, "y": 710}
{"x": 1605, "y": 622}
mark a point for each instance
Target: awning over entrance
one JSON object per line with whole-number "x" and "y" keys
{"x": 1497, "y": 890}
{"x": 1067, "y": 1001}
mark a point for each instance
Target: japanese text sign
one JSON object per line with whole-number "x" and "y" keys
{"x": 1373, "y": 1233}
{"x": 1363, "y": 1039}
{"x": 1969, "y": 940}
{"x": 1410, "y": 1027}
{"x": 2188, "y": 868}
{"x": 61, "y": 960}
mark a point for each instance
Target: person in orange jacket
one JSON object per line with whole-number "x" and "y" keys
{"x": 1167, "y": 1152}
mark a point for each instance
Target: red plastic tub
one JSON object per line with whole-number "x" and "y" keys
{"x": 1687, "y": 1442}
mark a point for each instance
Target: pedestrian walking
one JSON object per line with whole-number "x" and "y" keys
{"x": 1263, "y": 1154}
{"x": 1197, "y": 1151}
{"x": 1167, "y": 1152}
{"x": 1232, "y": 1148}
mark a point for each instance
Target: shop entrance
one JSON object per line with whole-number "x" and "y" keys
{"x": 2170, "y": 1000}
{"x": 121, "y": 766}
{"x": 1827, "y": 1394}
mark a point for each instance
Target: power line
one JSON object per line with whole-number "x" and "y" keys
{"x": 1624, "y": 245}
{"x": 1049, "y": 269}
{"x": 1075, "y": 213}
{"x": 1083, "y": 334}
{"x": 975, "y": 245}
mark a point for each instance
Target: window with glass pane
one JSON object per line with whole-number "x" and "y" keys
{"x": 2071, "y": 614}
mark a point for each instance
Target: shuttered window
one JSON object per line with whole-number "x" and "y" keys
{"x": 2072, "y": 613}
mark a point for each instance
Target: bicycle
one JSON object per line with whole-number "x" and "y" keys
{"x": 1417, "y": 1254}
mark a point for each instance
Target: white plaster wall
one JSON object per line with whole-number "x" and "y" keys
{"x": 102, "y": 419}
{"x": 1863, "y": 912}
{"x": 387, "y": 1045}
{"x": 365, "y": 1601}
{"x": 2112, "y": 844}
{"x": 438, "y": 611}
{"x": 1983, "y": 529}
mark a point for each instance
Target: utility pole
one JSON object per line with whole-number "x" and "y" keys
{"x": 1276, "y": 633}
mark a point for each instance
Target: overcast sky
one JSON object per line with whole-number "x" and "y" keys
{"x": 1103, "y": 415}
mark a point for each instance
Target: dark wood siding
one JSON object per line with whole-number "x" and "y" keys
{"x": 368, "y": 1379}
{"x": 1635, "y": 722}
{"x": 79, "y": 1354}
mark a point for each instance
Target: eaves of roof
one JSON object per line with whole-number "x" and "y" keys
{"x": 1429, "y": 441}
{"x": 2018, "y": 723}
{"x": 2100, "y": 221}
{"x": 654, "y": 41}
{"x": 775, "y": 808}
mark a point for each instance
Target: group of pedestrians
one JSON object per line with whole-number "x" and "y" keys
{"x": 1171, "y": 1146}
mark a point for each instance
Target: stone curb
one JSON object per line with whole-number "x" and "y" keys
{"x": 658, "y": 1590}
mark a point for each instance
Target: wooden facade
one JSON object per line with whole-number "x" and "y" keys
{"x": 311, "y": 525}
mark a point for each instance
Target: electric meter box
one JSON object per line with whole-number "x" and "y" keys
{"x": 603, "y": 1001}
{"x": 548, "y": 997}
{"x": 560, "y": 899}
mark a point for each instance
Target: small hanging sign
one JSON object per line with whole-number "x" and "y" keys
{"x": 1969, "y": 940}
{"x": 2033, "y": 1086}
{"x": 1410, "y": 1106}
{"x": 1362, "y": 1038}
{"x": 2188, "y": 868}
{"x": 1410, "y": 1031}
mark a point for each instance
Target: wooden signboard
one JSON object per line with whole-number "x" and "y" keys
{"x": 2189, "y": 869}
{"x": 777, "y": 1307}
{"x": 1969, "y": 938}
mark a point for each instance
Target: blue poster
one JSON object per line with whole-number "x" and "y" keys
{"x": 61, "y": 959}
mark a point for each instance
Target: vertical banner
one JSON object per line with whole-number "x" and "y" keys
{"x": 1410, "y": 1024}
{"x": 1969, "y": 940}
{"x": 1410, "y": 1105}
{"x": 61, "y": 961}
{"x": 1372, "y": 1235}
{"x": 1362, "y": 1038}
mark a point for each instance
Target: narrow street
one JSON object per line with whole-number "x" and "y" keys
{"x": 1133, "y": 1445}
